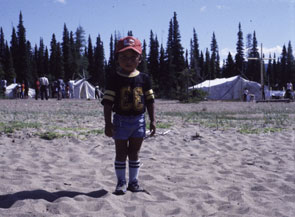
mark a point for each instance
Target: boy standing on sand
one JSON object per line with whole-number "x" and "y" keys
{"x": 128, "y": 94}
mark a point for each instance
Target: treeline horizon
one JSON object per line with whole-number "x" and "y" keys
{"x": 172, "y": 68}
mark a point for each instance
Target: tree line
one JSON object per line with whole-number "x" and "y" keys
{"x": 171, "y": 68}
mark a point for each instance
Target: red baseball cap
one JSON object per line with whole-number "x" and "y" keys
{"x": 129, "y": 42}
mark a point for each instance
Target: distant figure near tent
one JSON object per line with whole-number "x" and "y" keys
{"x": 245, "y": 95}
{"x": 44, "y": 85}
{"x": 37, "y": 89}
{"x": 289, "y": 91}
{"x": 60, "y": 89}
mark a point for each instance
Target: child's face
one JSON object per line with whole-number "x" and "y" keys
{"x": 129, "y": 60}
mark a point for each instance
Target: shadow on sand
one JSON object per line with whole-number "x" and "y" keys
{"x": 6, "y": 201}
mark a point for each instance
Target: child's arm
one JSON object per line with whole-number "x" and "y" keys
{"x": 107, "y": 109}
{"x": 151, "y": 112}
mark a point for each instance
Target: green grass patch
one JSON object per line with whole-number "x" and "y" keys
{"x": 13, "y": 126}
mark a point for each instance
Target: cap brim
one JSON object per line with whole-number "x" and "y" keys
{"x": 128, "y": 48}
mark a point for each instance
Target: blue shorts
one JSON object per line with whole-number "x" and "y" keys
{"x": 126, "y": 127}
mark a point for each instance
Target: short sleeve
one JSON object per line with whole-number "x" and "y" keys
{"x": 110, "y": 91}
{"x": 148, "y": 91}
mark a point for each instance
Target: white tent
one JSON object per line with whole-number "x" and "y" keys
{"x": 9, "y": 93}
{"x": 81, "y": 89}
{"x": 229, "y": 88}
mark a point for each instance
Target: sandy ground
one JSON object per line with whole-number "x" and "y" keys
{"x": 207, "y": 159}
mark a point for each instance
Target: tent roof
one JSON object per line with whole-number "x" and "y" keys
{"x": 215, "y": 82}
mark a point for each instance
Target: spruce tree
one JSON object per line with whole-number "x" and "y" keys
{"x": 74, "y": 60}
{"x": 90, "y": 57}
{"x": 175, "y": 58}
{"x": 283, "y": 68}
{"x": 79, "y": 47}
{"x": 195, "y": 58}
{"x": 14, "y": 49}
{"x": 239, "y": 58}
{"x": 201, "y": 66}
{"x": 2, "y": 47}
{"x": 53, "y": 58}
{"x": 153, "y": 58}
{"x": 290, "y": 64}
{"x": 40, "y": 59}
{"x": 99, "y": 63}
{"x": 66, "y": 53}
{"x": 229, "y": 67}
{"x": 253, "y": 66}
{"x": 22, "y": 55}
{"x": 214, "y": 60}
{"x": 275, "y": 73}
{"x": 46, "y": 64}
{"x": 207, "y": 66}
{"x": 162, "y": 91}
{"x": 8, "y": 65}
{"x": 143, "y": 64}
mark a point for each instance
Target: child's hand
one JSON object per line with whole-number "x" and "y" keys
{"x": 109, "y": 129}
{"x": 152, "y": 128}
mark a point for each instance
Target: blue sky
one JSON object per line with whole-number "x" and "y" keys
{"x": 273, "y": 20}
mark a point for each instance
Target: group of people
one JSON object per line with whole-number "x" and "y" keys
{"x": 58, "y": 89}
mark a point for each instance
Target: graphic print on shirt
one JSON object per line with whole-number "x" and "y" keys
{"x": 131, "y": 98}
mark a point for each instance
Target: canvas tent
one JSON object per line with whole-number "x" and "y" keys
{"x": 10, "y": 91}
{"x": 81, "y": 89}
{"x": 229, "y": 88}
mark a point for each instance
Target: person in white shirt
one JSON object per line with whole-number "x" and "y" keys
{"x": 43, "y": 89}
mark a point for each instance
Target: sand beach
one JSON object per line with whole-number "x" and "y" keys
{"x": 222, "y": 159}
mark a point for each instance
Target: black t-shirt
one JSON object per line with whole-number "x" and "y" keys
{"x": 129, "y": 95}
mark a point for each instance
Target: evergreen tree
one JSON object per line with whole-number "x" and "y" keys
{"x": 66, "y": 53}
{"x": 229, "y": 67}
{"x": 186, "y": 59}
{"x": 283, "y": 68}
{"x": 21, "y": 64}
{"x": 79, "y": 47}
{"x": 143, "y": 64}
{"x": 253, "y": 66}
{"x": 201, "y": 64}
{"x": 275, "y": 73}
{"x": 46, "y": 64}
{"x": 178, "y": 58}
{"x": 175, "y": 58}
{"x": 8, "y": 65}
{"x": 207, "y": 66}
{"x": 74, "y": 60}
{"x": 129, "y": 33}
{"x": 2, "y": 47}
{"x": 162, "y": 76}
{"x": 40, "y": 58}
{"x": 195, "y": 58}
{"x": 112, "y": 60}
{"x": 269, "y": 72}
{"x": 214, "y": 60}
{"x": 153, "y": 58}
{"x": 91, "y": 66}
{"x": 14, "y": 48}
{"x": 99, "y": 63}
{"x": 290, "y": 64}
{"x": 55, "y": 60}
{"x": 239, "y": 58}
